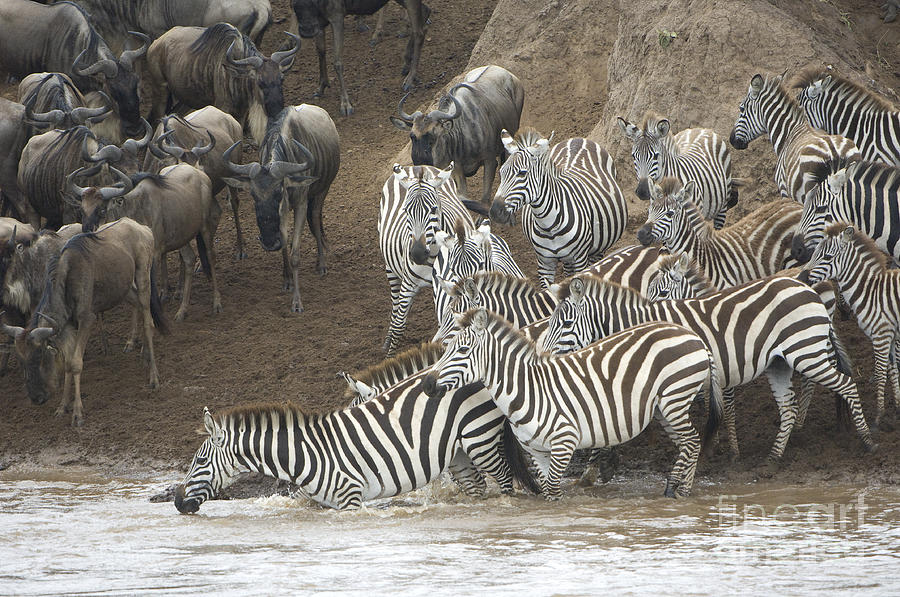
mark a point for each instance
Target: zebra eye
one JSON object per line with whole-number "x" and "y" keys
{"x": 821, "y": 208}
{"x": 523, "y": 173}
{"x": 669, "y": 213}
{"x": 202, "y": 460}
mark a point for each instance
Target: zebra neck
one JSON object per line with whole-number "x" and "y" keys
{"x": 513, "y": 368}
{"x": 692, "y": 234}
{"x": 668, "y": 156}
{"x": 784, "y": 121}
{"x": 550, "y": 192}
{"x": 862, "y": 280}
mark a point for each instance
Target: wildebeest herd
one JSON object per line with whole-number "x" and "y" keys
{"x": 519, "y": 375}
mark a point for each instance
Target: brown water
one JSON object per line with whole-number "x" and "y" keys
{"x": 66, "y": 533}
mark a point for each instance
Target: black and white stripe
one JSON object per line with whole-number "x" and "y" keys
{"x": 774, "y": 326}
{"x": 601, "y": 396}
{"x": 805, "y": 156}
{"x": 570, "y": 207}
{"x": 699, "y": 155}
{"x": 416, "y": 203}
{"x": 841, "y": 107}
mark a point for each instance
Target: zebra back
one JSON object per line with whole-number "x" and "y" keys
{"x": 390, "y": 371}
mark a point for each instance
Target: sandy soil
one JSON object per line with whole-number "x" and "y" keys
{"x": 257, "y": 350}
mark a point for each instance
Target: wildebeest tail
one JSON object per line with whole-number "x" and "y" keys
{"x": 845, "y": 366}
{"x": 202, "y": 249}
{"x": 160, "y": 319}
{"x": 518, "y": 461}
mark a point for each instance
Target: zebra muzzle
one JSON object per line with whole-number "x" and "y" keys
{"x": 645, "y": 235}
{"x": 184, "y": 506}
{"x": 418, "y": 252}
{"x": 799, "y": 251}
{"x": 431, "y": 388}
{"x": 643, "y": 189}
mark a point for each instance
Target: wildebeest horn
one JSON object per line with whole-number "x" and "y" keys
{"x": 250, "y": 170}
{"x": 40, "y": 334}
{"x": 107, "y": 153}
{"x": 253, "y": 62}
{"x": 200, "y": 150}
{"x": 11, "y": 245}
{"x": 53, "y": 117}
{"x": 117, "y": 191}
{"x": 441, "y": 115}
{"x": 106, "y": 66}
{"x": 12, "y": 331}
{"x": 133, "y": 146}
{"x": 404, "y": 115}
{"x": 167, "y": 148}
{"x": 82, "y": 114}
{"x": 70, "y": 180}
{"x": 128, "y": 57}
{"x": 284, "y": 57}
{"x": 280, "y": 169}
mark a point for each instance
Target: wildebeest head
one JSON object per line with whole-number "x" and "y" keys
{"x": 425, "y": 130}
{"x": 95, "y": 201}
{"x": 267, "y": 73}
{"x": 38, "y": 352}
{"x": 268, "y": 184}
{"x": 120, "y": 81}
{"x": 646, "y": 150}
{"x": 310, "y": 18}
{"x": 422, "y": 205}
{"x": 163, "y": 147}
{"x": 213, "y": 468}
{"x": 667, "y": 204}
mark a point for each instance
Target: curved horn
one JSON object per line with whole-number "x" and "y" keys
{"x": 286, "y": 56}
{"x": 128, "y": 57}
{"x": 116, "y": 191}
{"x": 40, "y": 334}
{"x": 201, "y": 150}
{"x": 253, "y": 62}
{"x": 70, "y": 181}
{"x": 441, "y": 115}
{"x": 53, "y": 117}
{"x": 12, "y": 331}
{"x": 251, "y": 169}
{"x": 107, "y": 153}
{"x": 108, "y": 67}
{"x": 404, "y": 115}
{"x": 82, "y": 114}
{"x": 164, "y": 144}
{"x": 280, "y": 169}
{"x": 133, "y": 146}
{"x": 11, "y": 243}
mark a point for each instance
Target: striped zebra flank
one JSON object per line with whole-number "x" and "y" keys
{"x": 699, "y": 155}
{"x": 773, "y": 326}
{"x": 384, "y": 447}
{"x": 416, "y": 203}
{"x": 566, "y": 198}
{"x": 601, "y": 396}
{"x": 872, "y": 290}
{"x": 754, "y": 247}
{"x": 840, "y": 106}
{"x": 804, "y": 156}
{"x": 865, "y": 194}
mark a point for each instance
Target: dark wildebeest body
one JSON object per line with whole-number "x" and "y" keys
{"x": 313, "y": 16}
{"x": 93, "y": 273}
{"x": 218, "y": 66}
{"x": 13, "y": 136}
{"x": 299, "y": 159}
{"x": 58, "y": 38}
{"x": 195, "y": 130}
{"x": 464, "y": 126}
{"x": 114, "y": 18}
{"x": 53, "y": 100}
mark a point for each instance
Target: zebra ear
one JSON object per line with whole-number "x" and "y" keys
{"x": 209, "y": 423}
{"x": 630, "y": 131}
{"x": 555, "y": 290}
{"x": 480, "y": 320}
{"x": 397, "y": 169}
{"x": 442, "y": 239}
{"x": 448, "y": 287}
{"x": 687, "y": 191}
{"x": 443, "y": 176}
{"x": 576, "y": 289}
{"x": 847, "y": 234}
{"x": 508, "y": 142}
{"x": 684, "y": 262}
{"x": 662, "y": 127}
{"x": 655, "y": 190}
{"x": 757, "y": 83}
{"x": 470, "y": 288}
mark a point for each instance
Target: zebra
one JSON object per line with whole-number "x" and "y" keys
{"x": 757, "y": 245}
{"x": 774, "y": 326}
{"x": 841, "y": 107}
{"x": 872, "y": 290}
{"x": 693, "y": 154}
{"x": 570, "y": 207}
{"x": 384, "y": 447}
{"x": 368, "y": 383}
{"x": 804, "y": 156}
{"x": 461, "y": 255}
{"x": 416, "y": 203}
{"x": 601, "y": 396}
{"x": 864, "y": 194}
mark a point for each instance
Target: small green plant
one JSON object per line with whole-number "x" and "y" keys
{"x": 843, "y": 15}
{"x": 666, "y": 37}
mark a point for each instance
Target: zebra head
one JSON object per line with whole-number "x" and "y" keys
{"x": 751, "y": 121}
{"x": 519, "y": 174}
{"x": 568, "y": 328}
{"x": 812, "y": 99}
{"x": 818, "y": 213}
{"x": 832, "y": 255}
{"x": 459, "y": 256}
{"x": 666, "y": 212}
{"x": 646, "y": 150}
{"x": 422, "y": 205}
{"x": 465, "y": 358}
{"x": 358, "y": 392}
{"x": 464, "y": 295}
{"x": 212, "y": 469}
{"x": 671, "y": 280}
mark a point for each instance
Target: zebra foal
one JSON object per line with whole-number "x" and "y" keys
{"x": 601, "y": 396}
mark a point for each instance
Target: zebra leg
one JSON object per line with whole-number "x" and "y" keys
{"x": 674, "y": 416}
{"x": 806, "y": 391}
{"x": 486, "y": 454}
{"x": 779, "y": 375}
{"x": 719, "y": 219}
{"x": 881, "y": 343}
{"x": 730, "y": 426}
{"x": 602, "y": 463}
{"x": 895, "y": 383}
{"x": 562, "y": 446}
{"x": 546, "y": 271}
{"x": 464, "y": 473}
{"x": 399, "y": 313}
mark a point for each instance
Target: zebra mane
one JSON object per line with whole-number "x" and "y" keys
{"x": 868, "y": 249}
{"x": 595, "y": 285}
{"x": 497, "y": 282}
{"x": 416, "y": 358}
{"x": 669, "y": 185}
{"x": 528, "y": 136}
{"x": 880, "y": 172}
{"x": 459, "y": 229}
{"x": 695, "y": 276}
{"x": 255, "y": 410}
{"x": 869, "y": 98}
{"x": 651, "y": 119}
{"x": 706, "y": 231}
{"x": 501, "y": 328}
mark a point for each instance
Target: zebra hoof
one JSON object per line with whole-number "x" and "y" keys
{"x": 871, "y": 447}
{"x": 671, "y": 487}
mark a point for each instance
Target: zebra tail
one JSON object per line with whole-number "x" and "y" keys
{"x": 732, "y": 198}
{"x": 204, "y": 256}
{"x": 160, "y": 319}
{"x": 845, "y": 366}
{"x": 518, "y": 461}
{"x": 716, "y": 408}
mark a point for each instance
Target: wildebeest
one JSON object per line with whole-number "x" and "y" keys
{"x": 464, "y": 127}
{"x": 58, "y": 38}
{"x": 114, "y": 18}
{"x": 93, "y": 273}
{"x": 194, "y": 130}
{"x": 13, "y": 136}
{"x": 176, "y": 204}
{"x": 298, "y": 160}
{"x": 53, "y": 100}
{"x": 313, "y": 16}
{"x": 218, "y": 66}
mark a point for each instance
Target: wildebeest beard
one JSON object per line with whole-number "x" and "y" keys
{"x": 268, "y": 220}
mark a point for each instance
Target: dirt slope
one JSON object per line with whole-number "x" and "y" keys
{"x": 583, "y": 63}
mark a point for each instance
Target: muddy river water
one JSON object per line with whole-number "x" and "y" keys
{"x": 77, "y": 532}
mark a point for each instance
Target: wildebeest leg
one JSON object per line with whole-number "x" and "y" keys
{"x": 77, "y": 362}
{"x": 414, "y": 45}
{"x": 132, "y": 337}
{"x": 239, "y": 252}
{"x": 323, "y": 68}
{"x": 314, "y": 221}
{"x": 159, "y": 91}
{"x": 66, "y": 394}
{"x": 361, "y": 24}
{"x": 299, "y": 207}
{"x": 140, "y": 299}
{"x": 163, "y": 269}
{"x": 187, "y": 278}
{"x": 286, "y": 274}
{"x": 460, "y": 179}
{"x": 104, "y": 340}
{"x": 209, "y": 237}
{"x": 490, "y": 171}
{"x": 337, "y": 30}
